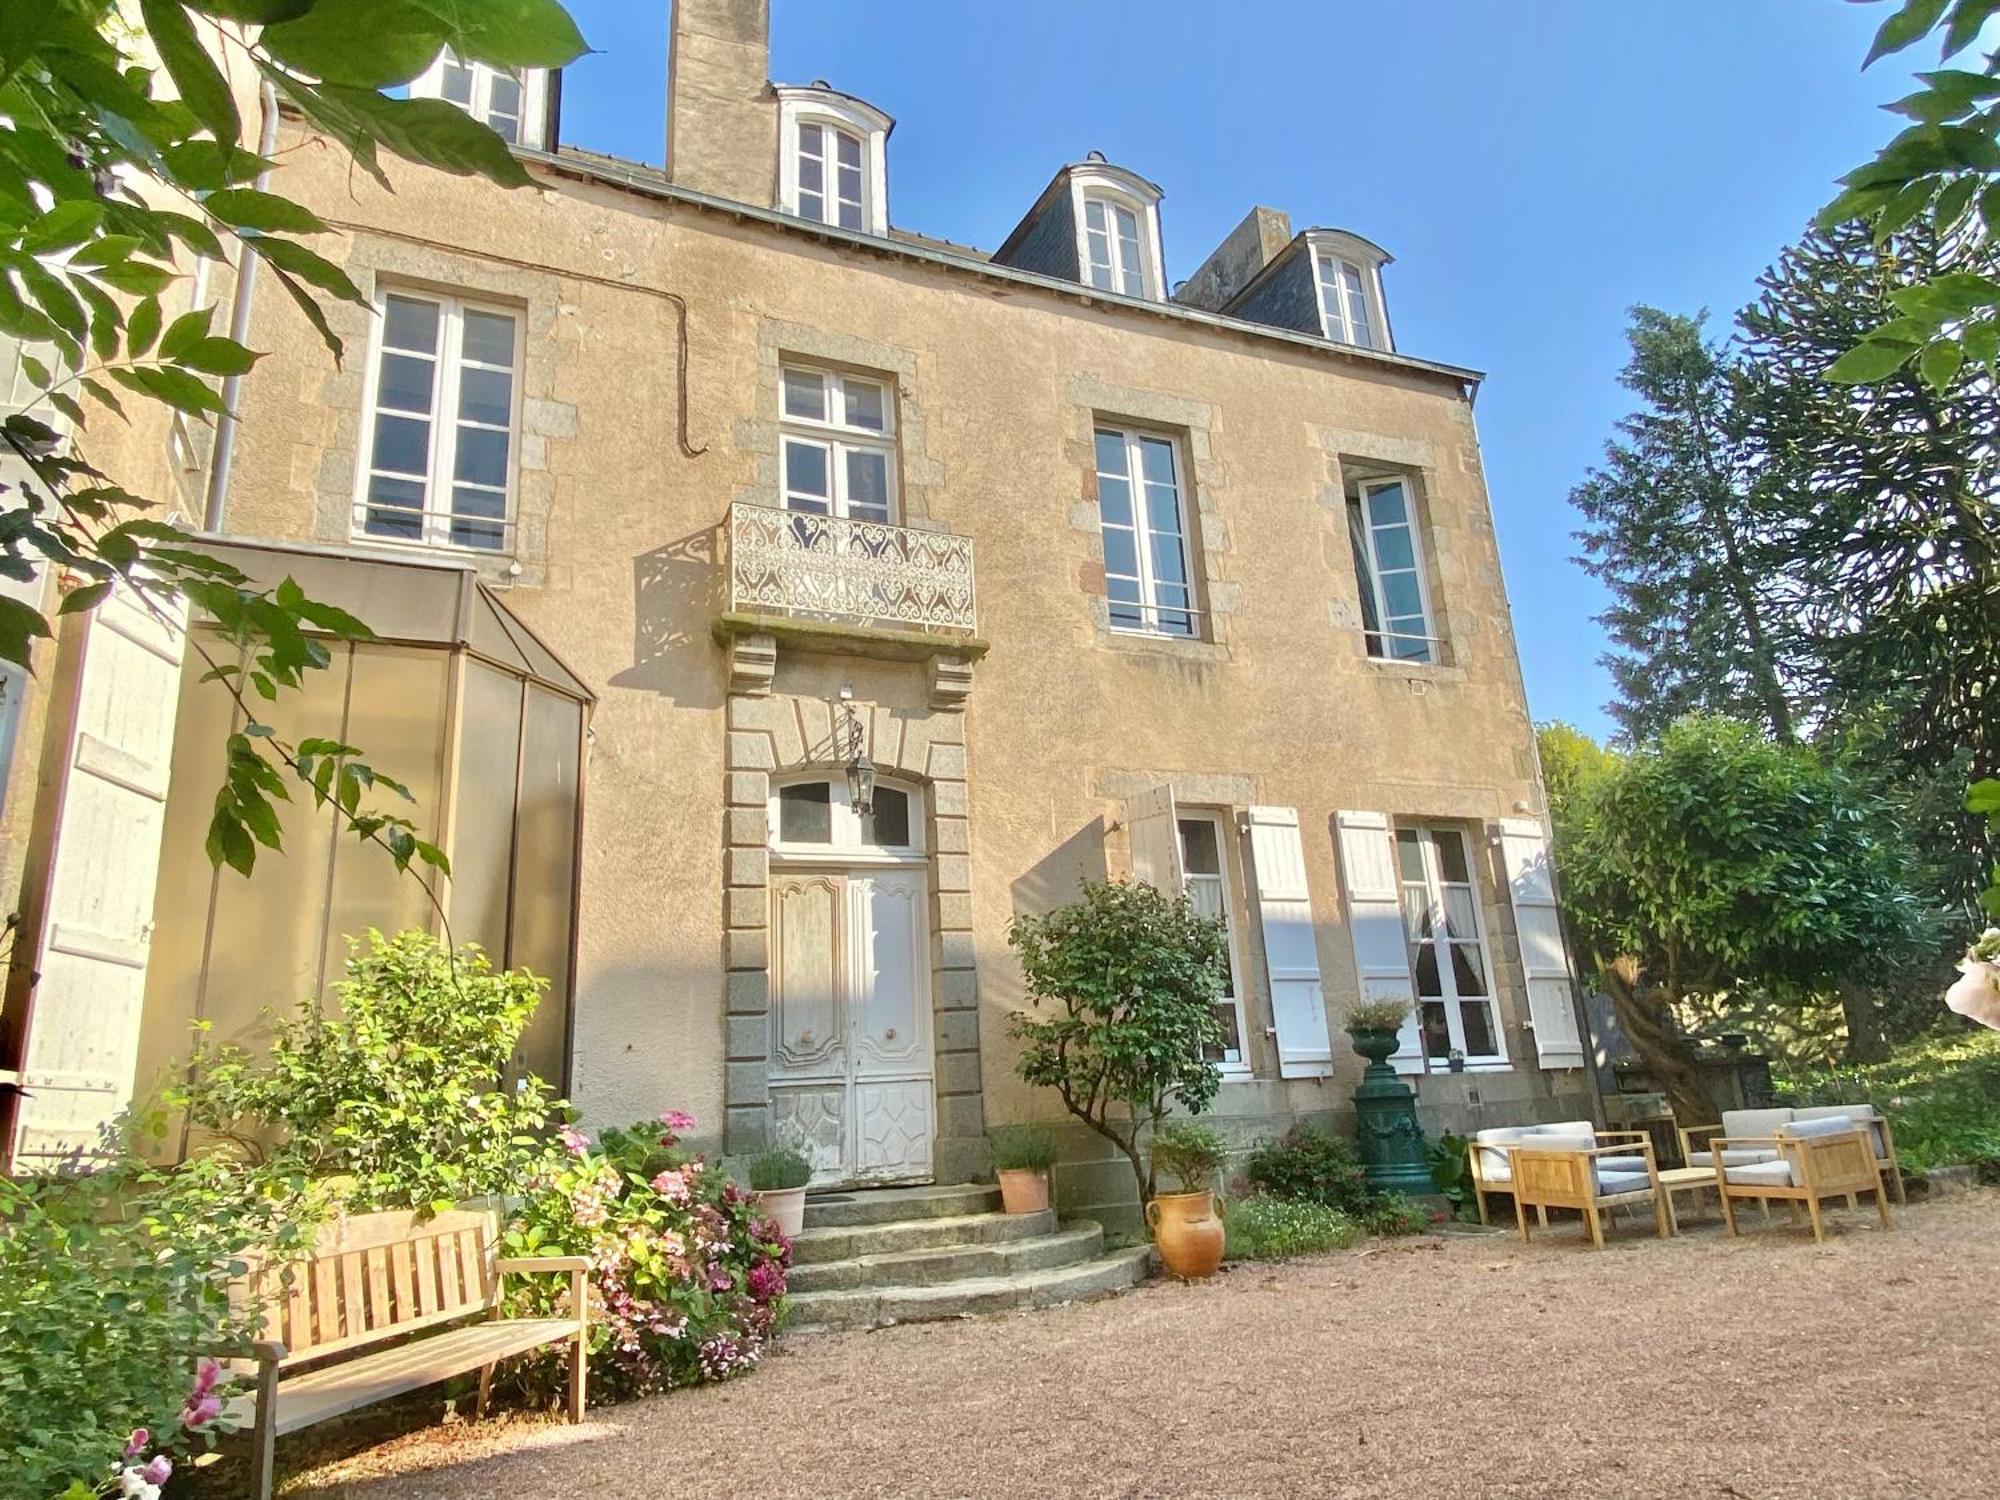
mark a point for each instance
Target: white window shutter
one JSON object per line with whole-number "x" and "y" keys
{"x": 1153, "y": 826}
{"x": 1538, "y": 925}
{"x": 1375, "y": 923}
{"x": 1291, "y": 950}
{"x": 82, "y": 1049}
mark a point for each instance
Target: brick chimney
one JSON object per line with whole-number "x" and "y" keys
{"x": 1250, "y": 246}
{"x": 722, "y": 118}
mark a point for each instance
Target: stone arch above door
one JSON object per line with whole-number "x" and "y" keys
{"x": 784, "y": 735}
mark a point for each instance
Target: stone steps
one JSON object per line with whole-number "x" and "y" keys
{"x": 818, "y": 1245}
{"x": 873, "y": 1307}
{"x": 852, "y": 1208}
{"x": 870, "y": 1257}
{"x": 934, "y": 1265}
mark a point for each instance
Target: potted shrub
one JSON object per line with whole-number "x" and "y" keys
{"x": 1455, "y": 1059}
{"x": 778, "y": 1179}
{"x": 1374, "y": 1026}
{"x": 1185, "y": 1228}
{"x": 1022, "y": 1156}
{"x": 1124, "y": 985}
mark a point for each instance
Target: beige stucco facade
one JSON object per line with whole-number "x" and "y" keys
{"x": 1025, "y": 741}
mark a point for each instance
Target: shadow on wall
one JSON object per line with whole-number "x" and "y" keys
{"x": 677, "y": 590}
{"x": 1058, "y": 877}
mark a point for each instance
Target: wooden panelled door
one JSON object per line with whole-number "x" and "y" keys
{"x": 851, "y": 1071}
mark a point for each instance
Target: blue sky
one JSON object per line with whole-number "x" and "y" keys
{"x": 1536, "y": 167}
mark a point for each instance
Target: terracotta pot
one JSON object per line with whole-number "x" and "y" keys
{"x": 1187, "y": 1234}
{"x": 785, "y": 1207}
{"x": 1024, "y": 1190}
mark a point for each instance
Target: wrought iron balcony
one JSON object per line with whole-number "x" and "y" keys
{"x": 825, "y": 568}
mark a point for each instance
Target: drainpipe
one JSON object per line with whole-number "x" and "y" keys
{"x": 239, "y": 330}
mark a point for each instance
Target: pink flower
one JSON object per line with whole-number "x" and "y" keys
{"x": 136, "y": 1444}
{"x": 574, "y": 1141}
{"x": 679, "y": 1121}
{"x": 673, "y": 1186}
{"x": 201, "y": 1410}
{"x": 159, "y": 1470}
{"x": 207, "y": 1376}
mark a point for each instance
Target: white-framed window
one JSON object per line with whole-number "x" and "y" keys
{"x": 1113, "y": 253}
{"x": 831, "y": 185}
{"x": 1205, "y": 872}
{"x": 814, "y": 814}
{"x": 512, "y": 102}
{"x": 1396, "y": 619}
{"x": 833, "y": 166}
{"x": 1117, "y": 230}
{"x": 838, "y": 435}
{"x": 1446, "y": 932}
{"x": 1140, "y": 505}
{"x": 443, "y": 404}
{"x": 1347, "y": 301}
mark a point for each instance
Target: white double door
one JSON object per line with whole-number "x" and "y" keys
{"x": 851, "y": 1072}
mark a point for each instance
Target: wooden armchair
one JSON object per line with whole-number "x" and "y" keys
{"x": 1491, "y": 1172}
{"x": 1815, "y": 1160}
{"x": 1586, "y": 1179}
{"x": 1745, "y": 1128}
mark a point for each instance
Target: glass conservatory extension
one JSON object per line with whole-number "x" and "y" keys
{"x": 454, "y": 697}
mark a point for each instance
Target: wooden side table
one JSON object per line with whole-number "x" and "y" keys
{"x": 1689, "y": 1180}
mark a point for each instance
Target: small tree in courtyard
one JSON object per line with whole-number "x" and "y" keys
{"x": 1133, "y": 977}
{"x": 1717, "y": 860}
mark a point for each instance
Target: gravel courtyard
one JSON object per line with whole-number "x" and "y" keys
{"x": 1464, "y": 1367}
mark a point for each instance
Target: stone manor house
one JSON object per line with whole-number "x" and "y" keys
{"x": 688, "y": 503}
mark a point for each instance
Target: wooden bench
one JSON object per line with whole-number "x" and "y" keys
{"x": 389, "y": 1303}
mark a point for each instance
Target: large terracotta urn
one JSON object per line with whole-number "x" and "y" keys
{"x": 1187, "y": 1233}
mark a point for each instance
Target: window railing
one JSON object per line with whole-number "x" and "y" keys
{"x": 792, "y": 562}
{"x": 1402, "y": 649}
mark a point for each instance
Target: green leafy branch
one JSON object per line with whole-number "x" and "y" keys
{"x": 1943, "y": 167}
{"x": 89, "y": 264}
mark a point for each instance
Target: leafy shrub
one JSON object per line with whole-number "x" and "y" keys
{"x": 687, "y": 1276}
{"x": 397, "y": 1089}
{"x": 1133, "y": 976}
{"x": 1266, "y": 1228}
{"x": 1451, "y": 1171}
{"x": 1022, "y": 1148}
{"x": 111, "y": 1287}
{"x": 1942, "y": 1094}
{"x": 1377, "y": 1015}
{"x": 778, "y": 1170}
{"x": 1396, "y": 1215}
{"x": 1189, "y": 1153}
{"x": 1311, "y": 1165}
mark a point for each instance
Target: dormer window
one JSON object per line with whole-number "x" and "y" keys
{"x": 834, "y": 159}
{"x": 1111, "y": 247}
{"x": 1117, "y": 230}
{"x": 1348, "y": 271}
{"x": 512, "y": 102}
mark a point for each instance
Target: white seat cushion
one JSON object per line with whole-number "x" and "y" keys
{"x": 1492, "y": 1160}
{"x": 1736, "y": 1156}
{"x": 1622, "y": 1164}
{"x": 1564, "y": 1127}
{"x": 1738, "y": 1123}
{"x": 1761, "y": 1174}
